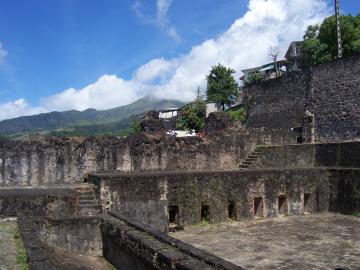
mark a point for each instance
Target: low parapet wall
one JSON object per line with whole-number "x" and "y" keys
{"x": 51, "y": 243}
{"x": 126, "y": 244}
{"x": 131, "y": 245}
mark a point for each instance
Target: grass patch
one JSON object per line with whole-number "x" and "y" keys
{"x": 202, "y": 223}
{"x": 22, "y": 258}
{"x": 357, "y": 214}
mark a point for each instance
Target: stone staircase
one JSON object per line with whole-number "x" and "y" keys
{"x": 251, "y": 158}
{"x": 88, "y": 204}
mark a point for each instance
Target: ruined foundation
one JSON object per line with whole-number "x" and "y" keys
{"x": 260, "y": 197}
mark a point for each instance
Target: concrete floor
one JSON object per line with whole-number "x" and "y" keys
{"x": 320, "y": 241}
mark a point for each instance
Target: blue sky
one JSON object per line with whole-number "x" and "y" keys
{"x": 74, "y": 54}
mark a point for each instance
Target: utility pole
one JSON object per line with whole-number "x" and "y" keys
{"x": 338, "y": 28}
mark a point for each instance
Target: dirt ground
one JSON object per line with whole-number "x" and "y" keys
{"x": 320, "y": 241}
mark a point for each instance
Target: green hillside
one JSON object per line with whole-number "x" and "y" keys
{"x": 114, "y": 121}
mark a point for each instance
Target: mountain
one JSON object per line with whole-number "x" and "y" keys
{"x": 84, "y": 123}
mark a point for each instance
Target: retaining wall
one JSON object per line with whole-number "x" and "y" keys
{"x": 330, "y": 92}
{"x": 344, "y": 155}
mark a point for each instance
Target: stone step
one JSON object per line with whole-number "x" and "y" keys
{"x": 242, "y": 166}
{"x": 253, "y": 156}
{"x": 89, "y": 211}
{"x": 90, "y": 205}
{"x": 250, "y": 159}
{"x": 84, "y": 191}
{"x": 88, "y": 202}
{"x": 247, "y": 163}
{"x": 87, "y": 197}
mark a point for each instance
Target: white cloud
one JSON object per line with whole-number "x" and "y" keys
{"x": 107, "y": 92}
{"x": 155, "y": 69}
{"x": 3, "y": 54}
{"x": 161, "y": 19}
{"x": 245, "y": 44}
{"x": 18, "y": 108}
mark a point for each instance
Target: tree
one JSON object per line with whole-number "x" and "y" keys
{"x": 221, "y": 86}
{"x": 135, "y": 127}
{"x": 192, "y": 116}
{"x": 273, "y": 53}
{"x": 254, "y": 77}
{"x": 320, "y": 42}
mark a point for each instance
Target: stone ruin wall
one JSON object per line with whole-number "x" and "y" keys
{"x": 334, "y": 99}
{"x": 330, "y": 92}
{"x": 336, "y": 155}
{"x": 277, "y": 103}
{"x": 146, "y": 197}
{"x": 53, "y": 161}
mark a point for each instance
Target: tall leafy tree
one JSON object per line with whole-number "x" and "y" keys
{"x": 320, "y": 41}
{"x": 221, "y": 86}
{"x": 192, "y": 116}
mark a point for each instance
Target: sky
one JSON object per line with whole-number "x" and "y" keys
{"x": 76, "y": 54}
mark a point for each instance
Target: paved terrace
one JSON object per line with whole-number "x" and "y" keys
{"x": 319, "y": 241}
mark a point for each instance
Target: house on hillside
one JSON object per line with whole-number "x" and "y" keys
{"x": 268, "y": 71}
{"x": 292, "y": 61}
{"x": 169, "y": 117}
{"x": 212, "y": 106}
{"x": 294, "y": 55}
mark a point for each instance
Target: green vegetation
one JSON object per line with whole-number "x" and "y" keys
{"x": 221, "y": 86}
{"x": 192, "y": 116}
{"x": 22, "y": 258}
{"x": 254, "y": 78}
{"x": 202, "y": 223}
{"x": 136, "y": 128}
{"x": 357, "y": 214}
{"x": 320, "y": 40}
{"x": 238, "y": 114}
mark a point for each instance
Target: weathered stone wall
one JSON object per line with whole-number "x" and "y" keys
{"x": 190, "y": 191}
{"x": 38, "y": 202}
{"x": 329, "y": 92}
{"x": 345, "y": 155}
{"x": 136, "y": 198}
{"x": 66, "y": 243}
{"x": 334, "y": 99}
{"x": 278, "y": 103}
{"x": 133, "y": 246}
{"x": 75, "y": 234}
{"x": 54, "y": 161}
{"x": 345, "y": 191}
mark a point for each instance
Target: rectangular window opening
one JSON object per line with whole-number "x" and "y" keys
{"x": 282, "y": 205}
{"x": 258, "y": 207}
{"x": 232, "y": 210}
{"x": 173, "y": 215}
{"x": 307, "y": 203}
{"x": 205, "y": 212}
